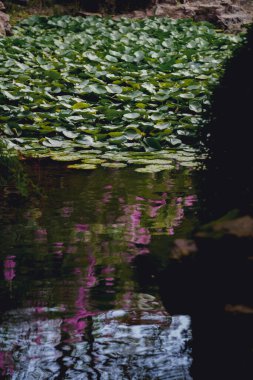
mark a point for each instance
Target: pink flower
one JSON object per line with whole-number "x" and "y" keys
{"x": 9, "y": 268}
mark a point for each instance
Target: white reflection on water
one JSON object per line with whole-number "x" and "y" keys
{"x": 138, "y": 344}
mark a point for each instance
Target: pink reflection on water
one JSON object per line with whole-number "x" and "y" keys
{"x": 66, "y": 211}
{"x": 143, "y": 237}
{"x": 78, "y": 323}
{"x": 71, "y": 249}
{"x": 6, "y": 364}
{"x": 107, "y": 270}
{"x": 9, "y": 268}
{"x": 40, "y": 235}
{"x": 81, "y": 227}
{"x": 107, "y": 195}
{"x": 171, "y": 231}
{"x": 190, "y": 200}
{"x": 58, "y": 248}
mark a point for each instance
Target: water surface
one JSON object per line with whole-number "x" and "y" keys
{"x": 72, "y": 307}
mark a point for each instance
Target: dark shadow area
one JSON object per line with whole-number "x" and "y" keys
{"x": 228, "y": 182}
{"x": 214, "y": 285}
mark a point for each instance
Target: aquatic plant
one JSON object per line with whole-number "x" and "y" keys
{"x": 75, "y": 88}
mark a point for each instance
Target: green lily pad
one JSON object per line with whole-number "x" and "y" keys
{"x": 82, "y": 166}
{"x": 113, "y": 165}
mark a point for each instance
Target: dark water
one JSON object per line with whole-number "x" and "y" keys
{"x": 72, "y": 307}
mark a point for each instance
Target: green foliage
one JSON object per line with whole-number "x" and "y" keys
{"x": 69, "y": 85}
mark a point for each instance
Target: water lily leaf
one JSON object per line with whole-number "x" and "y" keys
{"x": 86, "y": 140}
{"x": 111, "y": 58}
{"x": 70, "y": 134}
{"x": 131, "y": 115}
{"x": 82, "y": 166}
{"x": 114, "y": 89}
{"x": 80, "y": 106}
{"x": 9, "y": 95}
{"x": 139, "y": 55}
{"x": 154, "y": 168}
{"x": 52, "y": 74}
{"x": 65, "y": 158}
{"x": 127, "y": 58}
{"x": 195, "y": 106}
{"x": 53, "y": 143}
{"x": 133, "y": 133}
{"x": 96, "y": 89}
{"x": 162, "y": 126}
{"x": 153, "y": 143}
{"x": 92, "y": 160}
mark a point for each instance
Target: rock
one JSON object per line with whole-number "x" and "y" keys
{"x": 227, "y": 14}
{"x": 5, "y": 27}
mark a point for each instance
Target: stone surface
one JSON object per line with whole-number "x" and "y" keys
{"x": 230, "y": 15}
{"x": 5, "y": 27}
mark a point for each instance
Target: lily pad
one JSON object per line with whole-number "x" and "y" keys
{"x": 82, "y": 166}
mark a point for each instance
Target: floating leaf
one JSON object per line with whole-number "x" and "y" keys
{"x": 131, "y": 116}
{"x": 82, "y": 166}
{"x": 195, "y": 106}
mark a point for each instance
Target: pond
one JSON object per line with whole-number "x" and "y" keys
{"x": 72, "y": 305}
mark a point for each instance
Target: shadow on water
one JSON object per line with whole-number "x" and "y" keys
{"x": 214, "y": 285}
{"x": 71, "y": 305}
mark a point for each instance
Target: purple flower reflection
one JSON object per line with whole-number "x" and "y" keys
{"x": 190, "y": 200}
{"x": 40, "y": 235}
{"x": 6, "y": 363}
{"x": 81, "y": 227}
{"x": 58, "y": 248}
{"x": 143, "y": 236}
{"x": 66, "y": 212}
{"x": 171, "y": 231}
{"x": 78, "y": 321}
{"x": 9, "y": 268}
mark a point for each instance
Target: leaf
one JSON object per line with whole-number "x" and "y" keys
{"x": 70, "y": 134}
{"x": 80, "y": 106}
{"x": 195, "y": 106}
{"x": 82, "y": 166}
{"x": 154, "y": 168}
{"x": 139, "y": 55}
{"x": 85, "y": 140}
{"x": 114, "y": 89}
{"x": 52, "y": 74}
{"x": 52, "y": 143}
{"x": 153, "y": 143}
{"x": 131, "y": 115}
{"x": 110, "y": 58}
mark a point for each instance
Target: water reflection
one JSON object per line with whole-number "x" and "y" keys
{"x": 71, "y": 306}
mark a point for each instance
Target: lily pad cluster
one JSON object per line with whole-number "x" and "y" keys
{"x": 88, "y": 89}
